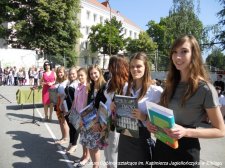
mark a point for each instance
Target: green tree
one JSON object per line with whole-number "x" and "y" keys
{"x": 216, "y": 59}
{"x": 50, "y": 26}
{"x": 182, "y": 20}
{"x": 143, "y": 43}
{"x": 107, "y": 38}
{"x": 221, "y": 35}
{"x": 160, "y": 34}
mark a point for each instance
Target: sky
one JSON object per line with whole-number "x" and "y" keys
{"x": 142, "y": 11}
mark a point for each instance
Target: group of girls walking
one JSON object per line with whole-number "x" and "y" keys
{"x": 188, "y": 92}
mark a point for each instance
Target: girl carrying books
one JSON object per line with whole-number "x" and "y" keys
{"x": 191, "y": 96}
{"x": 90, "y": 138}
{"x": 80, "y": 101}
{"x": 132, "y": 149}
{"x": 119, "y": 70}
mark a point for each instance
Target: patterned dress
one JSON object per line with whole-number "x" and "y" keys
{"x": 89, "y": 138}
{"x": 45, "y": 93}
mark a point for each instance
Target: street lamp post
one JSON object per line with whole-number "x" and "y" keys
{"x": 64, "y": 59}
{"x": 104, "y": 61}
{"x": 110, "y": 31}
{"x": 156, "y": 59}
{"x": 43, "y": 54}
{"x": 103, "y": 51}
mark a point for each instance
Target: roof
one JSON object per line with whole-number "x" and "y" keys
{"x": 106, "y": 6}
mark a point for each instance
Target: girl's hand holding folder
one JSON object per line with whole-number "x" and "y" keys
{"x": 151, "y": 128}
{"x": 176, "y": 132}
{"x": 139, "y": 115}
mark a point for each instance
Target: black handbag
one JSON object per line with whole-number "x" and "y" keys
{"x": 68, "y": 101}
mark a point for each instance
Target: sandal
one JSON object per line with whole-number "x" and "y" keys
{"x": 83, "y": 164}
{"x": 69, "y": 146}
{"x": 46, "y": 118}
{"x": 50, "y": 118}
{"x": 72, "y": 149}
{"x": 61, "y": 141}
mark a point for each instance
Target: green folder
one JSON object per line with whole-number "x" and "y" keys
{"x": 162, "y": 118}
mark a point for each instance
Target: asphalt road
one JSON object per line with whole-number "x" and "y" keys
{"x": 24, "y": 144}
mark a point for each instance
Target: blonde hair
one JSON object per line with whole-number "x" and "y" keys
{"x": 61, "y": 68}
{"x": 71, "y": 69}
{"x": 100, "y": 81}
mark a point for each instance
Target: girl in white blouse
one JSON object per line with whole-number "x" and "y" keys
{"x": 140, "y": 85}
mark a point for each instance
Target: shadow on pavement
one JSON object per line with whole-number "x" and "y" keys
{"x": 35, "y": 151}
{"x": 21, "y": 107}
{"x": 13, "y": 116}
{"x": 25, "y": 118}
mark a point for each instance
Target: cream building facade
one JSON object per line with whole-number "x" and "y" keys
{"x": 93, "y": 12}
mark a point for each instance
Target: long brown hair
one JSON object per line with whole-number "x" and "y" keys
{"x": 196, "y": 72}
{"x": 146, "y": 78}
{"x": 119, "y": 69}
{"x": 100, "y": 81}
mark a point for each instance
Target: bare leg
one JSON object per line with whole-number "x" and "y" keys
{"x": 86, "y": 156}
{"x": 51, "y": 111}
{"x": 95, "y": 157}
{"x": 46, "y": 111}
{"x": 65, "y": 129}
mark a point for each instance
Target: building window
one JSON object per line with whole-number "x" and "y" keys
{"x": 135, "y": 35}
{"x": 87, "y": 30}
{"x": 125, "y": 31}
{"x": 86, "y": 44}
{"x": 94, "y": 17}
{"x": 88, "y": 15}
{"x": 86, "y": 59}
{"x": 101, "y": 19}
{"x": 130, "y": 33}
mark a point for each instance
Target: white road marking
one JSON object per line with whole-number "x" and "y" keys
{"x": 68, "y": 162}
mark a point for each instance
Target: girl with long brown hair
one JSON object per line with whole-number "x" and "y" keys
{"x": 140, "y": 85}
{"x": 119, "y": 71}
{"x": 191, "y": 96}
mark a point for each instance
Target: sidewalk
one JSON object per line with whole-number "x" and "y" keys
{"x": 32, "y": 146}
{"x": 25, "y": 144}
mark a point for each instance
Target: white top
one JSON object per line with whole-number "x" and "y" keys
{"x": 109, "y": 96}
{"x": 35, "y": 74}
{"x": 153, "y": 94}
{"x": 74, "y": 84}
{"x": 222, "y": 100}
{"x": 61, "y": 87}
